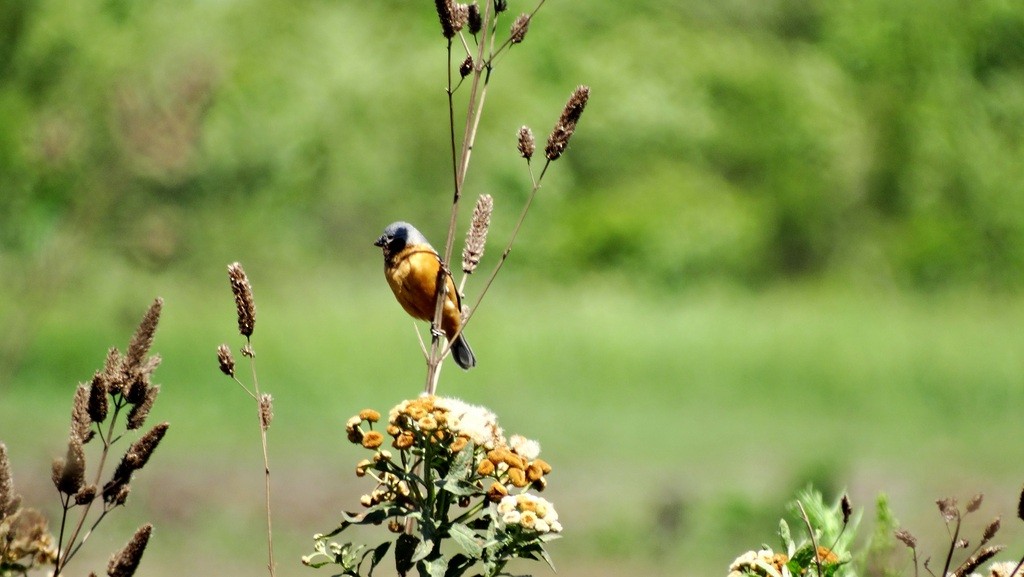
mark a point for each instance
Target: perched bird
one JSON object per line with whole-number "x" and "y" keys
{"x": 410, "y": 267}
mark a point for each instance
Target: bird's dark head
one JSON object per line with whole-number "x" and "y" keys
{"x": 397, "y": 236}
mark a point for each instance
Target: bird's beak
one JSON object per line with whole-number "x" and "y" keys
{"x": 379, "y": 241}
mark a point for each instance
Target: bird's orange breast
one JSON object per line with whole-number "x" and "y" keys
{"x": 412, "y": 276}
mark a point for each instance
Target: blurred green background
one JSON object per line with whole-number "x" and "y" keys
{"x": 786, "y": 246}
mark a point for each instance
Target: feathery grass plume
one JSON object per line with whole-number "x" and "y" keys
{"x": 142, "y": 340}
{"x": 975, "y": 561}
{"x": 6, "y": 482}
{"x": 948, "y": 509}
{"x": 125, "y": 562}
{"x": 266, "y": 410}
{"x": 243, "y": 299}
{"x": 86, "y": 494}
{"x": 476, "y": 238}
{"x": 143, "y": 448}
{"x": 113, "y": 376}
{"x": 975, "y": 503}
{"x": 520, "y": 26}
{"x": 444, "y": 12}
{"x": 476, "y": 20}
{"x": 460, "y": 15}
{"x": 226, "y": 361}
{"x": 69, "y": 472}
{"x": 526, "y": 144}
{"x": 906, "y": 538}
{"x": 81, "y": 422}
{"x": 990, "y": 531}
{"x": 566, "y": 126}
{"x": 98, "y": 399}
{"x": 135, "y": 458}
{"x": 137, "y": 416}
{"x": 466, "y": 67}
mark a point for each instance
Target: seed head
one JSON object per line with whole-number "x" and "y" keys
{"x": 906, "y": 538}
{"x": 948, "y": 509}
{"x": 466, "y": 67}
{"x": 137, "y": 416}
{"x": 125, "y": 562}
{"x": 847, "y": 508}
{"x": 444, "y": 12}
{"x": 519, "y": 28}
{"x": 476, "y": 20}
{"x": 975, "y": 503}
{"x": 98, "y": 399}
{"x": 975, "y": 561}
{"x": 476, "y": 238}
{"x": 243, "y": 299}
{"x": 526, "y": 144}
{"x": 81, "y": 423}
{"x": 69, "y": 472}
{"x": 990, "y": 531}
{"x": 566, "y": 125}
{"x": 142, "y": 340}
{"x": 500, "y": 6}
{"x": 226, "y": 361}
{"x": 6, "y": 482}
{"x": 266, "y": 410}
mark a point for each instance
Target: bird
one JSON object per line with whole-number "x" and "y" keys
{"x": 411, "y": 266}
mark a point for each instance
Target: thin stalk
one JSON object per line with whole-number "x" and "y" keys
{"x": 62, "y": 560}
{"x": 506, "y": 252}
{"x": 952, "y": 545}
{"x": 266, "y": 464}
{"x": 814, "y": 542}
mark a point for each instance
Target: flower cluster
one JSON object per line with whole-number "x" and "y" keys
{"x": 528, "y": 512}
{"x": 761, "y": 562}
{"x": 24, "y": 535}
{"x": 450, "y": 471}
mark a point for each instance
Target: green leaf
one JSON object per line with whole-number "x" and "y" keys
{"x": 458, "y": 487}
{"x": 422, "y": 550}
{"x": 435, "y": 567}
{"x": 405, "y": 546}
{"x": 547, "y": 558}
{"x": 458, "y": 565}
{"x": 376, "y": 555}
{"x": 467, "y": 539}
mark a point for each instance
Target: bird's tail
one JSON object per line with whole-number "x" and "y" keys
{"x": 462, "y": 354}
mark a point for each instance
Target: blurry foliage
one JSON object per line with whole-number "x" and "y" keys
{"x": 741, "y": 139}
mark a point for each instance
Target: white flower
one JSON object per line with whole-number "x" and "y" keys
{"x": 541, "y": 526}
{"x": 1004, "y": 569}
{"x": 511, "y": 518}
{"x": 524, "y": 447}
{"x": 353, "y": 422}
{"x": 477, "y": 423}
{"x": 507, "y": 504}
{"x": 556, "y": 527}
{"x": 528, "y": 519}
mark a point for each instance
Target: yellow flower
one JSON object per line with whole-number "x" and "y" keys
{"x": 369, "y": 415}
{"x": 373, "y": 439}
{"x": 496, "y": 492}
{"x": 428, "y": 422}
{"x": 362, "y": 466}
{"x": 459, "y": 444}
{"x": 517, "y": 477}
{"x": 485, "y": 469}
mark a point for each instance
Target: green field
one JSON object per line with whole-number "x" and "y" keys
{"x": 716, "y": 404}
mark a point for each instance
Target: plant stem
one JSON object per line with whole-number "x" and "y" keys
{"x": 266, "y": 463}
{"x": 62, "y": 560}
